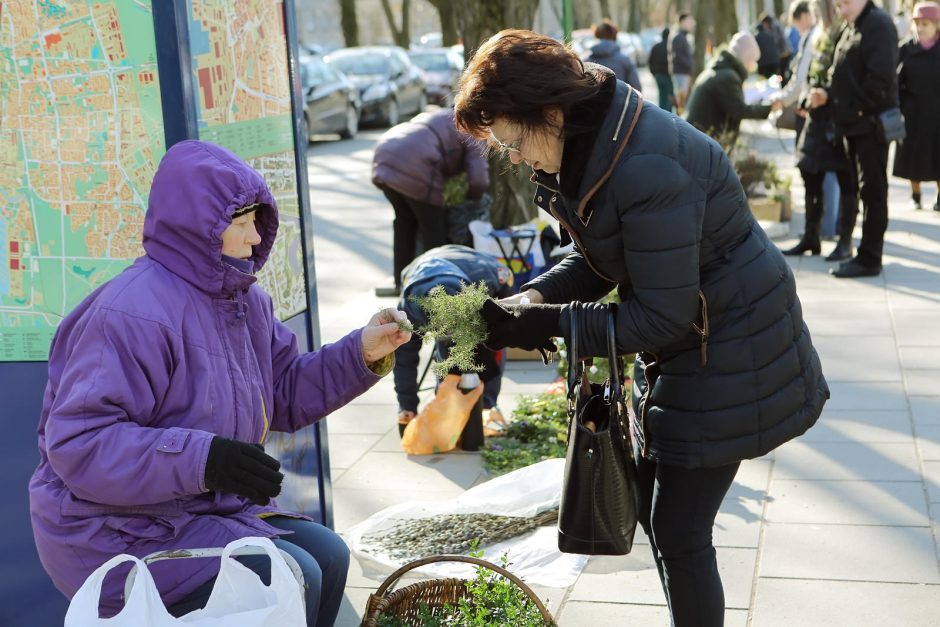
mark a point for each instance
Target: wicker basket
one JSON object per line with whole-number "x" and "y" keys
{"x": 405, "y": 604}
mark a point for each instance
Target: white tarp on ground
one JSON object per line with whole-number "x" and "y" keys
{"x": 534, "y": 557}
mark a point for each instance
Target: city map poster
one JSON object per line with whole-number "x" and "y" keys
{"x": 81, "y": 137}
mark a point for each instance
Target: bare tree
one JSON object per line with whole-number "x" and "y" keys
{"x": 478, "y": 20}
{"x": 445, "y": 9}
{"x": 401, "y": 36}
{"x": 347, "y": 9}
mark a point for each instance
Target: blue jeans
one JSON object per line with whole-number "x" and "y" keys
{"x": 323, "y": 557}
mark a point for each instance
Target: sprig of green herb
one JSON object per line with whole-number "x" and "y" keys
{"x": 456, "y": 317}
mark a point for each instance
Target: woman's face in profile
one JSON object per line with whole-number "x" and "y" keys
{"x": 539, "y": 149}
{"x": 239, "y": 236}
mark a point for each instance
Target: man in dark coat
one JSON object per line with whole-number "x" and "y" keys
{"x": 659, "y": 66}
{"x": 769, "y": 63}
{"x": 607, "y": 52}
{"x": 717, "y": 104}
{"x": 681, "y": 62}
{"x": 862, "y": 83}
{"x": 410, "y": 164}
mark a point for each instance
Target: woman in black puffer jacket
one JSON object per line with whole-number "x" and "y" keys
{"x": 725, "y": 369}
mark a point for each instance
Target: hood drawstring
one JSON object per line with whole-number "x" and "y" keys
{"x": 240, "y": 299}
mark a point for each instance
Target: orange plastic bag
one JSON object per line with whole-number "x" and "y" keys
{"x": 437, "y": 427}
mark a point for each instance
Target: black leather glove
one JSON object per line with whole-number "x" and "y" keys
{"x": 243, "y": 469}
{"x": 523, "y": 326}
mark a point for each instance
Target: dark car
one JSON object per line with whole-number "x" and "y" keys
{"x": 441, "y": 69}
{"x": 331, "y": 99}
{"x": 390, "y": 85}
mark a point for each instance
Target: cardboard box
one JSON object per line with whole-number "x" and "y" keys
{"x": 518, "y": 354}
{"x": 766, "y": 209}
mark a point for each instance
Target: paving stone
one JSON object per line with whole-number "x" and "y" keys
{"x": 791, "y": 602}
{"x": 922, "y": 382}
{"x": 849, "y": 358}
{"x": 847, "y": 461}
{"x": 868, "y": 319}
{"x": 849, "y": 552}
{"x": 925, "y": 410}
{"x": 380, "y": 471}
{"x": 922, "y": 296}
{"x": 357, "y": 418}
{"x": 634, "y": 579}
{"x": 866, "y": 395}
{"x": 932, "y": 480}
{"x": 848, "y": 502}
{"x": 925, "y": 357}
{"x": 916, "y": 328}
{"x": 345, "y": 449}
{"x": 856, "y": 425}
{"x": 751, "y": 481}
{"x": 581, "y": 614}
{"x": 353, "y": 606}
{"x": 738, "y": 523}
{"x": 928, "y": 441}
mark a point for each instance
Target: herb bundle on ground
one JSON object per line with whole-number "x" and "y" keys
{"x": 456, "y": 317}
{"x": 455, "y": 533}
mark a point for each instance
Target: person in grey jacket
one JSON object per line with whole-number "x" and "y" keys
{"x": 725, "y": 367}
{"x": 410, "y": 165}
{"x": 607, "y": 53}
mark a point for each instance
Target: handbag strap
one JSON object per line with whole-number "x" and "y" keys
{"x": 575, "y": 367}
{"x": 614, "y": 363}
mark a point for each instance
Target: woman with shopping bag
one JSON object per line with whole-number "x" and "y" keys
{"x": 163, "y": 385}
{"x": 725, "y": 369}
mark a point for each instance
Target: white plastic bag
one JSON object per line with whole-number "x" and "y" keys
{"x": 238, "y": 598}
{"x": 143, "y": 608}
{"x": 524, "y": 492}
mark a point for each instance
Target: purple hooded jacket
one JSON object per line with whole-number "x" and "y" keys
{"x": 179, "y": 347}
{"x": 416, "y": 157}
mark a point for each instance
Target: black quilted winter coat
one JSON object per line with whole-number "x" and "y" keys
{"x": 726, "y": 368}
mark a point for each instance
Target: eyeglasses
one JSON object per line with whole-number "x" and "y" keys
{"x": 515, "y": 146}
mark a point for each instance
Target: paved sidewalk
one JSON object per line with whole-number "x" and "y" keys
{"x": 837, "y": 528}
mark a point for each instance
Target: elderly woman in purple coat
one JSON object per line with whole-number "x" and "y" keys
{"x": 163, "y": 385}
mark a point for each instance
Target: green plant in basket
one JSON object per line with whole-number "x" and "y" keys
{"x": 492, "y": 601}
{"x": 456, "y": 317}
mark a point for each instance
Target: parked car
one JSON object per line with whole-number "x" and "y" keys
{"x": 331, "y": 100}
{"x": 390, "y": 85}
{"x": 428, "y": 40}
{"x": 441, "y": 69}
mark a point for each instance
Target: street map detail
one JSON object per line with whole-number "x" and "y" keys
{"x": 81, "y": 136}
{"x": 244, "y": 95}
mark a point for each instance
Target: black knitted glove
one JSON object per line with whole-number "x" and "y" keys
{"x": 523, "y": 326}
{"x": 243, "y": 469}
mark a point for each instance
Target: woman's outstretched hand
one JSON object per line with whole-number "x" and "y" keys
{"x": 384, "y": 334}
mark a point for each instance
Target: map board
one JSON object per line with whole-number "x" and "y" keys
{"x": 82, "y": 133}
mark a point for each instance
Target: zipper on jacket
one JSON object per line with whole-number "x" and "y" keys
{"x": 703, "y": 331}
{"x": 264, "y": 416}
{"x": 645, "y": 400}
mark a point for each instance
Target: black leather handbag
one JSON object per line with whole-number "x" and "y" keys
{"x": 598, "y": 512}
{"x": 891, "y": 126}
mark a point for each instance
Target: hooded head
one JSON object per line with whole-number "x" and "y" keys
{"x": 196, "y": 191}
{"x": 744, "y": 46}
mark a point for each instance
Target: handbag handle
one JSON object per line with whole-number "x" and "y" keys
{"x": 574, "y": 362}
{"x": 615, "y": 366}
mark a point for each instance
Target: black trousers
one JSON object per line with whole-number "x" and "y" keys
{"x": 815, "y": 201}
{"x": 413, "y": 217}
{"x": 870, "y": 156}
{"x": 677, "y": 510}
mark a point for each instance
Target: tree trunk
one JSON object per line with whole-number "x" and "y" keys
{"x": 349, "y": 23}
{"x": 445, "y": 10}
{"x": 605, "y": 8}
{"x": 704, "y": 33}
{"x": 401, "y": 36}
{"x": 477, "y": 21}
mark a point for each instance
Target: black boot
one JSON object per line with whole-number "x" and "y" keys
{"x": 842, "y": 251}
{"x": 809, "y": 242}
{"x": 915, "y": 196}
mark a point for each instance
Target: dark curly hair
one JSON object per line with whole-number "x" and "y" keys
{"x": 517, "y": 75}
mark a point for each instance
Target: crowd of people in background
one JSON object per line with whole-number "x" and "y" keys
{"x": 846, "y": 69}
